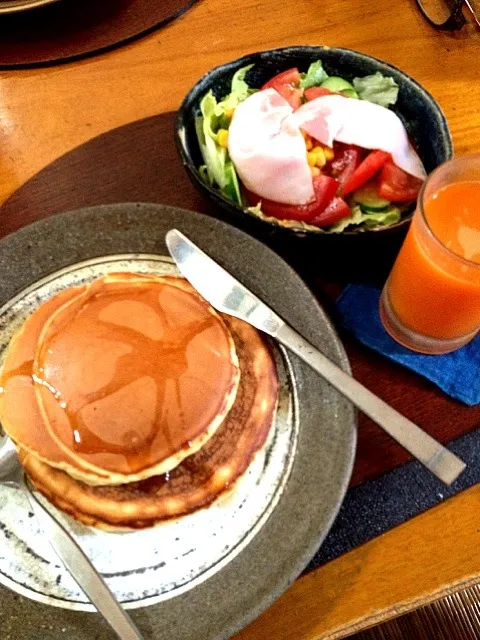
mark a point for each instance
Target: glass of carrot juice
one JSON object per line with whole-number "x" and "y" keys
{"x": 431, "y": 300}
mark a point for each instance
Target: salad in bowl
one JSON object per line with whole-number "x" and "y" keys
{"x": 309, "y": 150}
{"x": 312, "y": 143}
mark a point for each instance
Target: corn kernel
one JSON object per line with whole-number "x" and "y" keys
{"x": 222, "y": 138}
{"x": 308, "y": 144}
{"x": 229, "y": 113}
{"x": 329, "y": 155}
{"x": 321, "y": 160}
{"x": 315, "y": 171}
{"x": 311, "y": 159}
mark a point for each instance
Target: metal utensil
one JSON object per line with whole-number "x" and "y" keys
{"x": 69, "y": 552}
{"x": 229, "y": 296}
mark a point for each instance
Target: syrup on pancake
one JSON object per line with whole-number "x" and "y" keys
{"x": 204, "y": 477}
{"x": 129, "y": 376}
{"x": 133, "y": 402}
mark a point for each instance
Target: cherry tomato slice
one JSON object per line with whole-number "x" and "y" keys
{"x": 366, "y": 170}
{"x": 325, "y": 189}
{"x": 317, "y": 92}
{"x": 396, "y": 185}
{"x": 334, "y": 212}
{"x": 346, "y": 160}
{"x": 287, "y": 85}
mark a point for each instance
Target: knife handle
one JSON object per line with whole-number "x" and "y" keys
{"x": 83, "y": 571}
{"x": 439, "y": 460}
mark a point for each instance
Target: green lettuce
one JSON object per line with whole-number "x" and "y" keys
{"x": 208, "y": 107}
{"x": 239, "y": 92}
{"x": 214, "y": 156}
{"x": 314, "y": 77}
{"x": 218, "y": 169}
{"x": 239, "y": 87}
{"x": 385, "y": 218}
{"x": 377, "y": 88}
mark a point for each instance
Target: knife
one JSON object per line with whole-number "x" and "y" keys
{"x": 228, "y": 295}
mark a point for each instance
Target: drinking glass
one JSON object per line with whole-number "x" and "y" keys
{"x": 431, "y": 300}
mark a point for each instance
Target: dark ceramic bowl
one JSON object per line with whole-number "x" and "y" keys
{"x": 420, "y": 113}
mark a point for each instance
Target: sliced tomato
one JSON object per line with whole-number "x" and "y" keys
{"x": 346, "y": 160}
{"x": 287, "y": 85}
{"x": 325, "y": 189}
{"x": 366, "y": 170}
{"x": 334, "y": 212}
{"x": 396, "y": 185}
{"x": 316, "y": 92}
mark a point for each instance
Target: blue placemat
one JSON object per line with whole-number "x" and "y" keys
{"x": 456, "y": 373}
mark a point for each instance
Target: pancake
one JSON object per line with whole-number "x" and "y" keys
{"x": 200, "y": 479}
{"x": 19, "y": 413}
{"x": 119, "y": 380}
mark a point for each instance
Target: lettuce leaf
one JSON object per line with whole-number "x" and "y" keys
{"x": 239, "y": 86}
{"x": 390, "y": 216}
{"x": 214, "y": 111}
{"x": 213, "y": 154}
{"x": 314, "y": 77}
{"x": 377, "y": 88}
{"x": 239, "y": 92}
{"x": 385, "y": 218}
{"x": 218, "y": 170}
{"x": 208, "y": 107}
{"x": 355, "y": 217}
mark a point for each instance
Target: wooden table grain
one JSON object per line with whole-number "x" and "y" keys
{"x": 46, "y": 112}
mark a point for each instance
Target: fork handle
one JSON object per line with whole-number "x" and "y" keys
{"x": 439, "y": 460}
{"x": 83, "y": 571}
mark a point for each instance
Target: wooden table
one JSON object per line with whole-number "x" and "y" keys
{"x": 46, "y": 112}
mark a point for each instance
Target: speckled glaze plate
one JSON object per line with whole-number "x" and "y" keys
{"x": 207, "y": 575}
{"x": 143, "y": 567}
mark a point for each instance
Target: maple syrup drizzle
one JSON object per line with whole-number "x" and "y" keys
{"x": 187, "y": 351}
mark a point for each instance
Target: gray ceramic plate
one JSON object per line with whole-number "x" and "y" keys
{"x": 309, "y": 500}
{"x": 14, "y": 6}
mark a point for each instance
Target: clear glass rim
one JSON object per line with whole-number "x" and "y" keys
{"x": 437, "y": 241}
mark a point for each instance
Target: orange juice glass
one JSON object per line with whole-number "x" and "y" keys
{"x": 431, "y": 300}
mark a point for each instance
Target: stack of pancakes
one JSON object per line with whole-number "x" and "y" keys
{"x": 132, "y": 401}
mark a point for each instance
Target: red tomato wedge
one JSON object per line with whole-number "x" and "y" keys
{"x": 396, "y": 185}
{"x": 334, "y": 212}
{"x": 325, "y": 189}
{"x": 316, "y": 92}
{"x": 347, "y": 159}
{"x": 366, "y": 170}
{"x": 287, "y": 85}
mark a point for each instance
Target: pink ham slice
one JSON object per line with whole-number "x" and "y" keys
{"x": 268, "y": 149}
{"x": 362, "y": 123}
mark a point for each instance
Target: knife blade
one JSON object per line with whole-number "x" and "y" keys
{"x": 228, "y": 295}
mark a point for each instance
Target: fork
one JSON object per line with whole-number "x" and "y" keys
{"x": 66, "y": 548}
